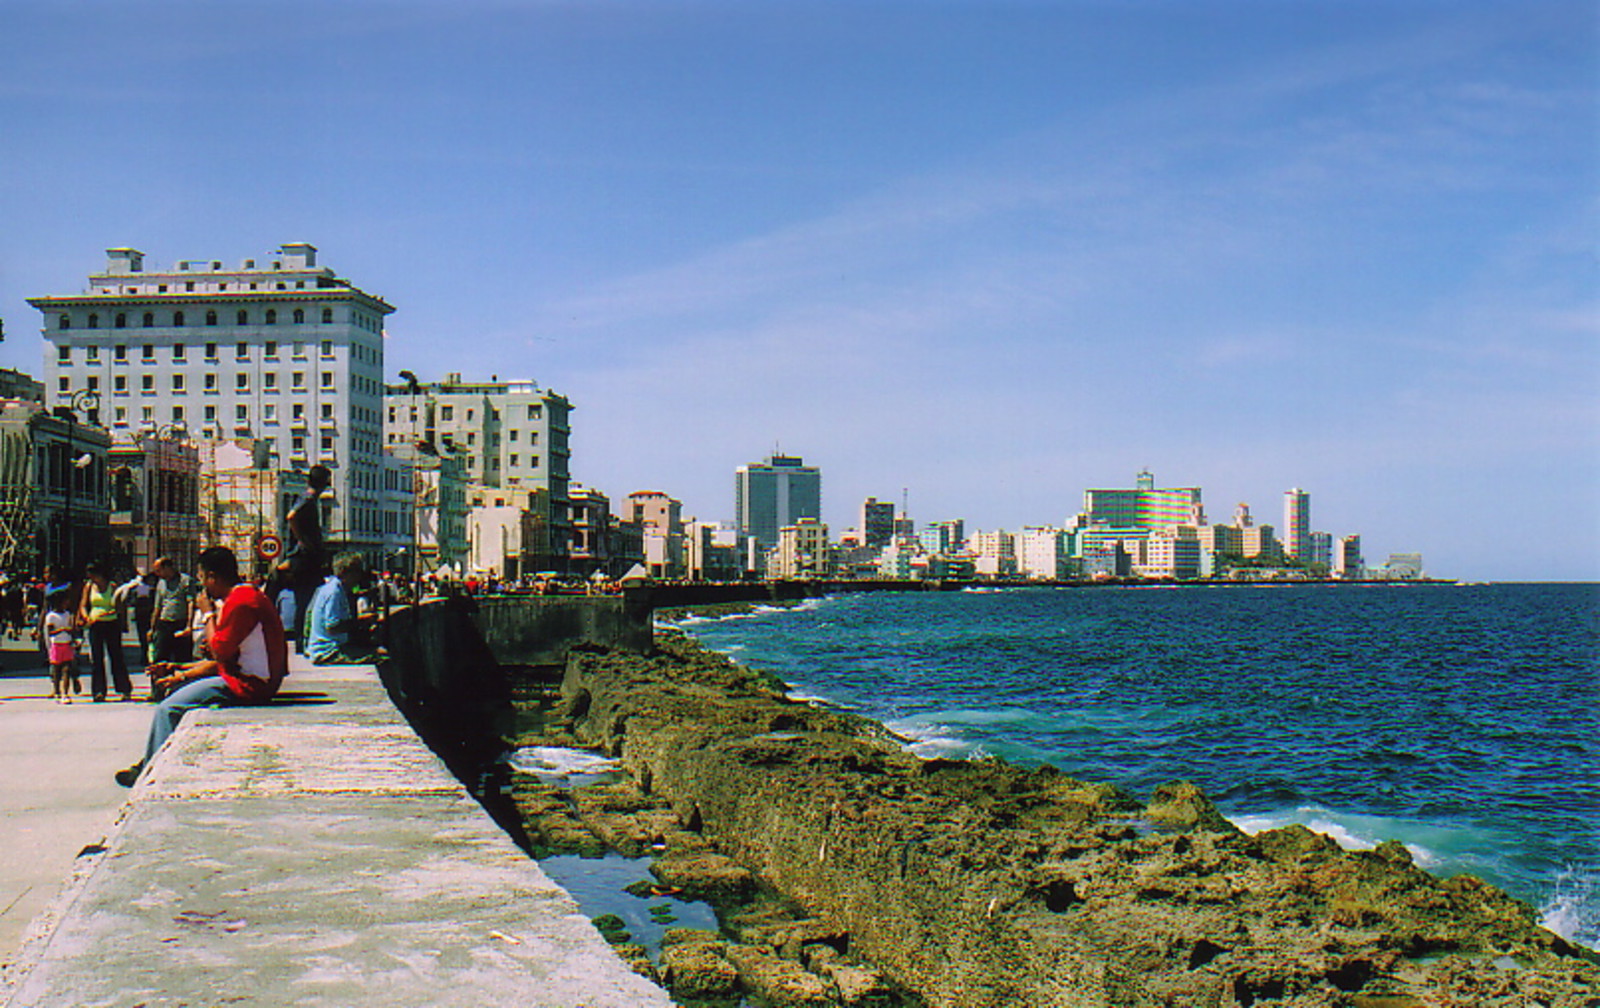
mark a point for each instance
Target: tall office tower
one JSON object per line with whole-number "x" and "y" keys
{"x": 1297, "y": 524}
{"x": 279, "y": 351}
{"x": 1144, "y": 507}
{"x": 769, "y": 495}
{"x": 877, "y": 522}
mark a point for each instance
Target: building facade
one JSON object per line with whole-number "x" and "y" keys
{"x": 772, "y": 494}
{"x": 511, "y": 435}
{"x": 155, "y": 501}
{"x": 54, "y": 508}
{"x": 1297, "y": 525}
{"x": 280, "y": 351}
{"x": 877, "y": 522}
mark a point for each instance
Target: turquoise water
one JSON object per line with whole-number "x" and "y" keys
{"x": 1460, "y": 720}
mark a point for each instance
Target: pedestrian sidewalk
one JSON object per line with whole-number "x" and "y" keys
{"x": 56, "y": 792}
{"x": 309, "y": 852}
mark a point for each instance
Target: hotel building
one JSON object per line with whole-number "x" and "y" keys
{"x": 279, "y": 351}
{"x": 772, "y": 494}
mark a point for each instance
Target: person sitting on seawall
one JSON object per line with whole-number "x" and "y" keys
{"x": 338, "y": 634}
{"x": 100, "y": 609}
{"x": 250, "y": 657}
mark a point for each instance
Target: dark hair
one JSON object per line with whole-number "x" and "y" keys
{"x": 319, "y": 475}
{"x": 220, "y": 561}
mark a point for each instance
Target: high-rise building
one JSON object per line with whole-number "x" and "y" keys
{"x": 280, "y": 351}
{"x": 1143, "y": 507}
{"x": 1347, "y": 562}
{"x": 877, "y": 522}
{"x": 1297, "y": 525}
{"x": 769, "y": 495}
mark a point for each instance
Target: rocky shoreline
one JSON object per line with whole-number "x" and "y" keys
{"x": 968, "y": 884}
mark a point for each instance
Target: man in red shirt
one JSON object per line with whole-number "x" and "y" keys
{"x": 249, "y": 657}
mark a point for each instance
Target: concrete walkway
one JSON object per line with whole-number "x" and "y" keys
{"x": 56, "y": 792}
{"x": 313, "y": 852}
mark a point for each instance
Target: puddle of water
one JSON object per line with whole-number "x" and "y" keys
{"x": 597, "y": 884}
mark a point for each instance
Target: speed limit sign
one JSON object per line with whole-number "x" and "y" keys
{"x": 269, "y": 546}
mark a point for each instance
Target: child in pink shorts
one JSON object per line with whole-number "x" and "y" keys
{"x": 63, "y": 660}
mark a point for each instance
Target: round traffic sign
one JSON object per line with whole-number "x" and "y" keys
{"x": 268, "y": 546}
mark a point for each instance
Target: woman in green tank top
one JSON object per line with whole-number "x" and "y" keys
{"x": 101, "y": 612}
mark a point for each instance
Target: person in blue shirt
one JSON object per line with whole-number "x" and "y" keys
{"x": 337, "y": 634}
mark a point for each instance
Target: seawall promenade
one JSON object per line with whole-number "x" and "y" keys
{"x": 311, "y": 852}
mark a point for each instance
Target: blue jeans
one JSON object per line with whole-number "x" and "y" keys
{"x": 211, "y": 691}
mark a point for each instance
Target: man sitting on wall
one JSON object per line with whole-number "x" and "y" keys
{"x": 338, "y": 635}
{"x": 249, "y": 657}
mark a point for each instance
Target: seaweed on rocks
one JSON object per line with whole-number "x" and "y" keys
{"x": 979, "y": 883}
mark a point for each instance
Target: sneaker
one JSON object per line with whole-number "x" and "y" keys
{"x": 127, "y": 777}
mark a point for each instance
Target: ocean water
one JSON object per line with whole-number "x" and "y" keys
{"x": 1460, "y": 720}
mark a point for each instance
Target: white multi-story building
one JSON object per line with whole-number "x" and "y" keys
{"x": 280, "y": 351}
{"x": 1297, "y": 525}
{"x": 511, "y": 435}
{"x": 994, "y": 553}
{"x": 802, "y": 551}
{"x": 1347, "y": 562}
{"x": 1040, "y": 554}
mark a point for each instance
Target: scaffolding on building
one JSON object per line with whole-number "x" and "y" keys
{"x": 17, "y": 546}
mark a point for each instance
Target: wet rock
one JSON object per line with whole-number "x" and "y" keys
{"x": 1181, "y": 805}
{"x": 695, "y": 969}
{"x": 705, "y": 875}
{"x": 778, "y": 982}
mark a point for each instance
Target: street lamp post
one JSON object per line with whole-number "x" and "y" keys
{"x": 87, "y": 401}
{"x": 413, "y": 386}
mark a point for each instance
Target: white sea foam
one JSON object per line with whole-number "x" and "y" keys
{"x": 1348, "y": 830}
{"x": 1571, "y": 909}
{"x": 929, "y": 739}
{"x": 557, "y": 762}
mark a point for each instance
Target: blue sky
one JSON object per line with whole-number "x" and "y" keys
{"x": 987, "y": 254}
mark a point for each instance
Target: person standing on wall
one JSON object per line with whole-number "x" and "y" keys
{"x": 100, "y": 610}
{"x": 305, "y": 560}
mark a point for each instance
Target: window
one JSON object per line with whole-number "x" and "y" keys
{"x": 211, "y": 351}
{"x": 298, "y": 411}
{"x": 177, "y": 317}
{"x": 177, "y": 383}
{"x": 147, "y": 383}
{"x": 211, "y": 381}
{"x": 94, "y": 321}
{"x": 327, "y": 411}
{"x": 119, "y": 353}
{"x": 177, "y": 414}
{"x": 513, "y": 461}
{"x": 64, "y": 385}
{"x": 64, "y": 354}
{"x": 148, "y": 352}
{"x": 242, "y": 318}
{"x": 119, "y": 384}
{"x": 297, "y": 380}
{"x": 211, "y": 318}
{"x": 327, "y": 380}
{"x": 533, "y": 461}
{"x": 94, "y": 353}
{"x": 272, "y": 316}
{"x": 512, "y": 434}
{"x": 269, "y": 413}
{"x": 299, "y": 349}
{"x": 121, "y": 416}
{"x": 534, "y": 412}
{"x": 269, "y": 381}
{"x": 447, "y": 412}
{"x": 178, "y": 351}
{"x": 121, "y": 321}
{"x": 64, "y": 322}
{"x": 241, "y": 351}
{"x": 327, "y": 348}
{"x": 241, "y": 413}
{"x": 241, "y": 382}
{"x": 327, "y": 444}
{"x": 149, "y": 319}
{"x": 299, "y": 443}
{"x": 272, "y": 350}
{"x": 211, "y": 414}
{"x": 299, "y": 316}
{"x": 471, "y": 437}
{"x": 94, "y": 383}
{"x": 147, "y": 413}
{"x": 327, "y": 315}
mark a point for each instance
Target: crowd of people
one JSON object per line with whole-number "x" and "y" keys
{"x": 205, "y": 639}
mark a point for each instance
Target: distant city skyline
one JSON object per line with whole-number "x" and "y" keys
{"x": 987, "y": 254}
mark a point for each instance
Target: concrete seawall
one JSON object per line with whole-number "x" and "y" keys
{"x": 312, "y": 852}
